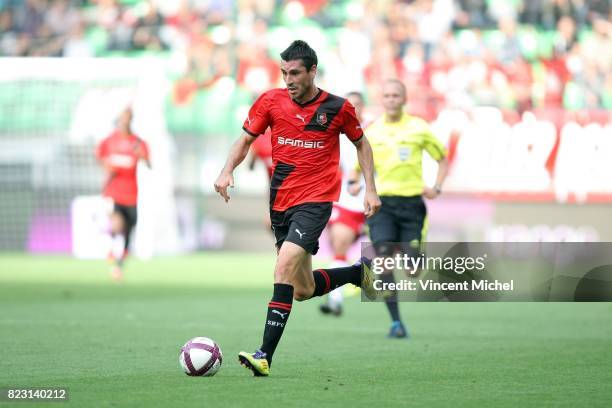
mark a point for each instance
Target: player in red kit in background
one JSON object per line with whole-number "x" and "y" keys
{"x": 306, "y": 123}
{"x": 119, "y": 154}
{"x": 261, "y": 150}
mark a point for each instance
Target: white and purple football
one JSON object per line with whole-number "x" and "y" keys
{"x": 201, "y": 356}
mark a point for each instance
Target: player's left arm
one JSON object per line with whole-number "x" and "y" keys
{"x": 438, "y": 152}
{"x": 365, "y": 157}
{"x": 352, "y": 129}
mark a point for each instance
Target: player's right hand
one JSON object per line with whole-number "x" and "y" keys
{"x": 224, "y": 181}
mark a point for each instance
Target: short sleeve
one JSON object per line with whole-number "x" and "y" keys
{"x": 432, "y": 144}
{"x": 350, "y": 124}
{"x": 258, "y": 118}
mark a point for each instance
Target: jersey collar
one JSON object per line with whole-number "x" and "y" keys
{"x": 312, "y": 100}
{"x": 402, "y": 119}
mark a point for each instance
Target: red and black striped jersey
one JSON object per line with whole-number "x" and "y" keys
{"x": 305, "y": 144}
{"x": 122, "y": 153}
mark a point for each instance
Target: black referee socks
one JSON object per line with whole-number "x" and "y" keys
{"x": 391, "y": 297}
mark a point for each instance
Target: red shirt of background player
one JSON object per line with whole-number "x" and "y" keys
{"x": 305, "y": 144}
{"x": 121, "y": 153}
{"x": 262, "y": 147}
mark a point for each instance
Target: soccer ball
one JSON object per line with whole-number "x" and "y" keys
{"x": 201, "y": 356}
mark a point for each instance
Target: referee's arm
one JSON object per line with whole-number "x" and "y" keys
{"x": 430, "y": 192}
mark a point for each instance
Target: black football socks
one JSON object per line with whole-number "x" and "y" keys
{"x": 332, "y": 278}
{"x": 282, "y": 300}
{"x": 278, "y": 314}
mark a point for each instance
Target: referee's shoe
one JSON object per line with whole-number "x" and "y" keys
{"x": 398, "y": 331}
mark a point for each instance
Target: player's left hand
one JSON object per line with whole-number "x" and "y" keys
{"x": 430, "y": 193}
{"x": 371, "y": 203}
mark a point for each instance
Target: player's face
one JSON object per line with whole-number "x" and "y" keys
{"x": 125, "y": 120}
{"x": 393, "y": 98}
{"x": 299, "y": 81}
{"x": 357, "y": 102}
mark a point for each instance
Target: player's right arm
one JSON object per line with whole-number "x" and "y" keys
{"x": 102, "y": 158}
{"x": 237, "y": 153}
{"x": 256, "y": 123}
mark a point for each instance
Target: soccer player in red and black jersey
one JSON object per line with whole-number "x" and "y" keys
{"x": 119, "y": 154}
{"x": 306, "y": 123}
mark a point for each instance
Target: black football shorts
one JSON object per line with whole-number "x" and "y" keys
{"x": 302, "y": 225}
{"x": 128, "y": 213}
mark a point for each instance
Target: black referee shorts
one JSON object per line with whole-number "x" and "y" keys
{"x": 302, "y": 225}
{"x": 400, "y": 219}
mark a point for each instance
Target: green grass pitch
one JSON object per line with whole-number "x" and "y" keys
{"x": 64, "y": 324}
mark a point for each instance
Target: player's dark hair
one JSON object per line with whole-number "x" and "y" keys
{"x": 300, "y": 50}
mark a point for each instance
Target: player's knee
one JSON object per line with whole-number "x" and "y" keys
{"x": 116, "y": 223}
{"x": 287, "y": 265}
{"x": 284, "y": 272}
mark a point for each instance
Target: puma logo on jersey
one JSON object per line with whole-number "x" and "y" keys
{"x": 300, "y": 233}
{"x": 279, "y": 313}
{"x": 249, "y": 120}
{"x": 300, "y": 117}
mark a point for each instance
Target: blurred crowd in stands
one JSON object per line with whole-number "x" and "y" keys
{"x": 513, "y": 54}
